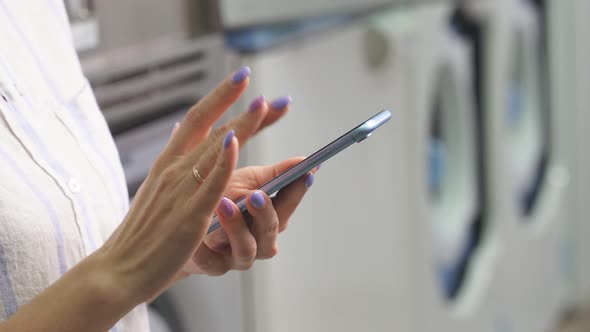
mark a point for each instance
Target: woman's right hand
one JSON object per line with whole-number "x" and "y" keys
{"x": 171, "y": 213}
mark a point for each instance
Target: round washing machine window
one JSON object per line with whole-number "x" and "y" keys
{"x": 526, "y": 121}
{"x": 453, "y": 183}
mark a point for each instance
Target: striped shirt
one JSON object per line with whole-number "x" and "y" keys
{"x": 62, "y": 188}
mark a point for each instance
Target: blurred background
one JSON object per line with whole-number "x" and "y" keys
{"x": 467, "y": 212}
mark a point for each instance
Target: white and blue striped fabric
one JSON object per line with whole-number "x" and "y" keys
{"x": 62, "y": 188}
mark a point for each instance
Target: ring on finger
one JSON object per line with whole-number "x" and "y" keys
{"x": 197, "y": 176}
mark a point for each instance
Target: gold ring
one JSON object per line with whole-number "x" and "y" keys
{"x": 197, "y": 176}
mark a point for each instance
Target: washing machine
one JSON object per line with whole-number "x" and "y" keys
{"x": 330, "y": 275}
{"x": 461, "y": 247}
{"x": 395, "y": 234}
{"x": 583, "y": 162}
{"x": 570, "y": 51}
{"x": 526, "y": 178}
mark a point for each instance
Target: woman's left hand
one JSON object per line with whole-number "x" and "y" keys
{"x": 235, "y": 246}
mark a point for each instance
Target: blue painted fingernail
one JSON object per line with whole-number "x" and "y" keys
{"x": 257, "y": 200}
{"x": 241, "y": 75}
{"x": 318, "y": 168}
{"x": 309, "y": 181}
{"x": 226, "y": 207}
{"x": 256, "y": 104}
{"x": 228, "y": 138}
{"x": 280, "y": 103}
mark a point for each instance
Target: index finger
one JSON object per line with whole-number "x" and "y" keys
{"x": 199, "y": 119}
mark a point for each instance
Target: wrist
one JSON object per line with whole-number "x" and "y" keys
{"x": 107, "y": 285}
{"x": 87, "y": 298}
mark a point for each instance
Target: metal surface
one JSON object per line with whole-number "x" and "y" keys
{"x": 150, "y": 80}
{"x": 239, "y": 13}
{"x": 123, "y": 24}
{"x": 152, "y": 57}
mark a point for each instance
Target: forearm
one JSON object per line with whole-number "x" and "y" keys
{"x": 86, "y": 299}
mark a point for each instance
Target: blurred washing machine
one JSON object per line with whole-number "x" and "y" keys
{"x": 330, "y": 275}
{"x": 582, "y": 121}
{"x": 460, "y": 244}
{"x": 394, "y": 234}
{"x": 570, "y": 54}
{"x": 527, "y": 180}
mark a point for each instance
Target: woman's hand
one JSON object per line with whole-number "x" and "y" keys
{"x": 235, "y": 246}
{"x": 162, "y": 236}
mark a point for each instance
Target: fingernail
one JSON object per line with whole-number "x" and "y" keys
{"x": 228, "y": 138}
{"x": 257, "y": 199}
{"x": 309, "y": 181}
{"x": 280, "y": 103}
{"x": 226, "y": 207}
{"x": 241, "y": 75}
{"x": 318, "y": 168}
{"x": 256, "y": 104}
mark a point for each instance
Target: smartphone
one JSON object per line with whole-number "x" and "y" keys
{"x": 356, "y": 135}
